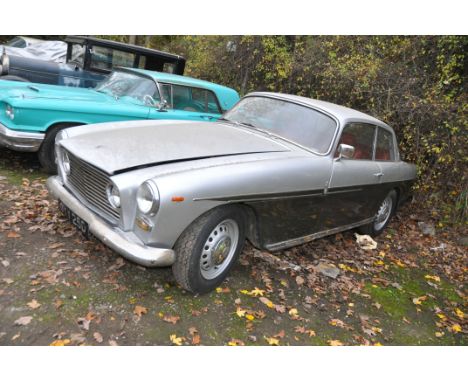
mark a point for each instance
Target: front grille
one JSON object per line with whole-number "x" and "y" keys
{"x": 91, "y": 182}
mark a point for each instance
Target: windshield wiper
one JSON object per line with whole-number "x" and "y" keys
{"x": 248, "y": 124}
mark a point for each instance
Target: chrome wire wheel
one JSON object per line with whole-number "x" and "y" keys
{"x": 383, "y": 214}
{"x": 219, "y": 249}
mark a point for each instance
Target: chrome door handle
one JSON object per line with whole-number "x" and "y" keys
{"x": 379, "y": 174}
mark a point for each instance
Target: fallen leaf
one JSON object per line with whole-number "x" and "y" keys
{"x": 439, "y": 334}
{"x": 33, "y": 304}
{"x": 434, "y": 278}
{"x": 140, "y": 310}
{"x": 58, "y": 303}
{"x": 83, "y": 323}
{"x": 267, "y": 302}
{"x": 112, "y": 343}
{"x": 365, "y": 242}
{"x": 419, "y": 300}
{"x": 60, "y": 342}
{"x": 235, "y": 342}
{"x": 5, "y": 263}
{"x": 459, "y": 313}
{"x": 98, "y": 337}
{"x": 240, "y": 312}
{"x": 8, "y": 281}
{"x": 272, "y": 341}
{"x": 299, "y": 280}
{"x": 13, "y": 234}
{"x": 257, "y": 292}
{"x": 337, "y": 322}
{"x": 249, "y": 317}
{"x": 25, "y": 320}
{"x": 456, "y": 328}
{"x": 335, "y": 343}
{"x": 280, "y": 334}
{"x": 171, "y": 319}
{"x": 176, "y": 340}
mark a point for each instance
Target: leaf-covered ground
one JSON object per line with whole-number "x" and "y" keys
{"x": 56, "y": 288}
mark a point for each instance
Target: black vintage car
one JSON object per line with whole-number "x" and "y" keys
{"x": 89, "y": 60}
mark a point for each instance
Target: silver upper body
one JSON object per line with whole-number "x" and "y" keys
{"x": 209, "y": 164}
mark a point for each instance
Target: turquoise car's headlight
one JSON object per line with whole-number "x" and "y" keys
{"x": 10, "y": 112}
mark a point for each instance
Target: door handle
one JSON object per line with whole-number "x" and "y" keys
{"x": 378, "y": 174}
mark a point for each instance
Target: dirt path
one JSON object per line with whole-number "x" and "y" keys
{"x": 57, "y": 288}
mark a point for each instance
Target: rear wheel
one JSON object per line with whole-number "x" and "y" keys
{"x": 46, "y": 152}
{"x": 208, "y": 249}
{"x": 382, "y": 218}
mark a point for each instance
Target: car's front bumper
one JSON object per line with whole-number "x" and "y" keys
{"x": 20, "y": 140}
{"x": 125, "y": 243}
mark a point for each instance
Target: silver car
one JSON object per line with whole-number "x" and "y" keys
{"x": 278, "y": 170}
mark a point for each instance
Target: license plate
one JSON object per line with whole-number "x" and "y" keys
{"x": 79, "y": 223}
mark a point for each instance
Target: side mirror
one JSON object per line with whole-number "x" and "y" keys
{"x": 345, "y": 151}
{"x": 163, "y": 105}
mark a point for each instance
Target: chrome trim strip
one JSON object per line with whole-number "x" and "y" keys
{"x": 20, "y": 140}
{"x": 305, "y": 239}
{"x": 126, "y": 244}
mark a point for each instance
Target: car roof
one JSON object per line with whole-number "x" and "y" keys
{"x": 123, "y": 46}
{"x": 226, "y": 96}
{"x": 342, "y": 113}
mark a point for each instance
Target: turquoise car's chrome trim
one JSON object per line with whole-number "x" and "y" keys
{"x": 19, "y": 140}
{"x": 126, "y": 244}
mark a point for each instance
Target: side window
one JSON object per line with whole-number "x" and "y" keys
{"x": 77, "y": 54}
{"x": 181, "y": 98}
{"x": 361, "y": 137}
{"x": 166, "y": 93}
{"x": 205, "y": 101}
{"x": 105, "y": 58}
{"x": 384, "y": 150}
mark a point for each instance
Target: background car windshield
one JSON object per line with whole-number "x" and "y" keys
{"x": 121, "y": 84}
{"x": 294, "y": 122}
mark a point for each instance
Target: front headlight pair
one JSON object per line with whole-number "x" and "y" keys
{"x": 147, "y": 197}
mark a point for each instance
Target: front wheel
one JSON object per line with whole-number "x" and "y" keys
{"x": 46, "y": 152}
{"x": 208, "y": 249}
{"x": 382, "y": 218}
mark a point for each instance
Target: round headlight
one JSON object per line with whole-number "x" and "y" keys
{"x": 10, "y": 112}
{"x": 66, "y": 163}
{"x": 113, "y": 195}
{"x": 148, "y": 198}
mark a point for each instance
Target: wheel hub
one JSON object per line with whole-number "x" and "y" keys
{"x": 219, "y": 249}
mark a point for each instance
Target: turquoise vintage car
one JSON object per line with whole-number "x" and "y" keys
{"x": 31, "y": 115}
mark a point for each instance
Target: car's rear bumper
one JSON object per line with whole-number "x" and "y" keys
{"x": 125, "y": 243}
{"x": 20, "y": 140}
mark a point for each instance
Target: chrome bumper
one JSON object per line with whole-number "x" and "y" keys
{"x": 20, "y": 140}
{"x": 126, "y": 244}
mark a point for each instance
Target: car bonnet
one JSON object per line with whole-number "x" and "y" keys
{"x": 144, "y": 144}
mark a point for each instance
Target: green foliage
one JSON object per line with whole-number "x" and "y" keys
{"x": 417, "y": 84}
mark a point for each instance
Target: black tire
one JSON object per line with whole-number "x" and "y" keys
{"x": 189, "y": 248}
{"x": 13, "y": 78}
{"x": 372, "y": 229}
{"x": 46, "y": 152}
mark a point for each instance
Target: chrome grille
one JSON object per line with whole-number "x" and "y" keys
{"x": 91, "y": 182}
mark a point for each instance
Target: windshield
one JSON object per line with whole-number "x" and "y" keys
{"x": 300, "y": 124}
{"x": 122, "y": 84}
{"x": 16, "y": 42}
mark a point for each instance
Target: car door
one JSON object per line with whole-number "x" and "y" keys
{"x": 385, "y": 157}
{"x": 353, "y": 189}
{"x": 183, "y": 103}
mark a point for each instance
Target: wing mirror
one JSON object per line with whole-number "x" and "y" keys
{"x": 345, "y": 151}
{"x": 163, "y": 105}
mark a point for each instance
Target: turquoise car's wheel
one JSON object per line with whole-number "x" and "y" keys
{"x": 46, "y": 152}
